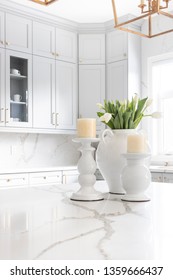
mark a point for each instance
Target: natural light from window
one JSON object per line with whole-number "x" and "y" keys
{"x": 162, "y": 93}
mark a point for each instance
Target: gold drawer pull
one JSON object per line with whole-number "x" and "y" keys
{"x": 44, "y": 177}
{"x": 8, "y": 180}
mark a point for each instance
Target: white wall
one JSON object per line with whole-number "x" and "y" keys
{"x": 36, "y": 150}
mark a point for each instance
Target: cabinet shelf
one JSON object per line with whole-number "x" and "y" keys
{"x": 17, "y": 102}
{"x": 17, "y": 77}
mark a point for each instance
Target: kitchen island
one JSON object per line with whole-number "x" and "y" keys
{"x": 43, "y": 223}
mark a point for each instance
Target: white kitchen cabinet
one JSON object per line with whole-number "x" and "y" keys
{"x": 123, "y": 65}
{"x": 117, "y": 46}
{"x": 13, "y": 180}
{"x": 66, "y": 95}
{"x": 54, "y": 43}
{"x": 70, "y": 176}
{"x": 157, "y": 176}
{"x": 168, "y": 177}
{"x": 18, "y": 111}
{"x": 66, "y": 45}
{"x": 117, "y": 80}
{"x": 2, "y": 87}
{"x": 91, "y": 48}
{"x": 54, "y": 94}
{"x": 2, "y": 37}
{"x": 43, "y": 40}
{"x": 18, "y": 33}
{"x": 91, "y": 90}
{"x": 43, "y": 92}
{"x": 43, "y": 178}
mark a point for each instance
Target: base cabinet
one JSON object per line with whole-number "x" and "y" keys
{"x": 38, "y": 178}
{"x": 70, "y": 176}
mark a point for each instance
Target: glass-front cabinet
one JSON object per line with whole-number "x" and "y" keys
{"x": 18, "y": 89}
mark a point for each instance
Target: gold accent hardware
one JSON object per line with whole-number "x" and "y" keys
{"x": 2, "y": 42}
{"x": 44, "y": 2}
{"x": 7, "y": 43}
{"x": 124, "y": 54}
{"x": 57, "y": 54}
{"x": 53, "y": 118}
{"x": 152, "y": 7}
{"x": 53, "y": 53}
{"x": 8, "y": 180}
{"x": 44, "y": 177}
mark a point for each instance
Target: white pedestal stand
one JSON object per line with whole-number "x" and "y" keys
{"x": 87, "y": 168}
{"x": 136, "y": 177}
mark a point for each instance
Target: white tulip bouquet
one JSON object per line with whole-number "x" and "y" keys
{"x": 126, "y": 114}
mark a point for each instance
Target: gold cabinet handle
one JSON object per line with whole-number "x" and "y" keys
{"x": 44, "y": 177}
{"x": 57, "y": 114}
{"x": 6, "y": 116}
{"x": 2, "y": 115}
{"x": 53, "y": 118}
{"x": 53, "y": 53}
{"x": 124, "y": 54}
{"x": 8, "y": 180}
{"x": 2, "y": 43}
{"x": 7, "y": 43}
{"x": 57, "y": 54}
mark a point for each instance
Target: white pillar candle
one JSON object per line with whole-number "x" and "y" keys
{"x": 86, "y": 128}
{"x": 135, "y": 143}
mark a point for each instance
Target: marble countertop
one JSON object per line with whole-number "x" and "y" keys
{"x": 43, "y": 223}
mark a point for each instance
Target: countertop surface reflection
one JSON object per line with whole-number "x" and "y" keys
{"x": 43, "y": 223}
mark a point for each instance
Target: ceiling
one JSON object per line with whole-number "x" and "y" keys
{"x": 85, "y": 11}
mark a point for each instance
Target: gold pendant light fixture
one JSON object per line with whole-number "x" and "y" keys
{"x": 44, "y": 2}
{"x": 148, "y": 8}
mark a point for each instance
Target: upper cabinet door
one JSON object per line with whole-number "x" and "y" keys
{"x": 2, "y": 30}
{"x": 66, "y": 95}
{"x": 18, "y": 89}
{"x": 117, "y": 80}
{"x": 43, "y": 40}
{"x": 91, "y": 90}
{"x": 91, "y": 49}
{"x": 43, "y": 92}
{"x": 116, "y": 46}
{"x": 66, "y": 45}
{"x": 18, "y": 33}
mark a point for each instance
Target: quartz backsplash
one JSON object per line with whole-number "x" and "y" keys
{"x": 20, "y": 150}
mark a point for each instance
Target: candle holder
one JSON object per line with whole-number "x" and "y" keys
{"x": 136, "y": 177}
{"x": 86, "y": 168}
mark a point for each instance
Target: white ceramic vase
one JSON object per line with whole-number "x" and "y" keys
{"x": 136, "y": 177}
{"x": 109, "y": 157}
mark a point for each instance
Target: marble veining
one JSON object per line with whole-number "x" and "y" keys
{"x": 43, "y": 223}
{"x": 24, "y": 150}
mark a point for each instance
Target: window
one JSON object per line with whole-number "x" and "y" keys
{"x": 162, "y": 94}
